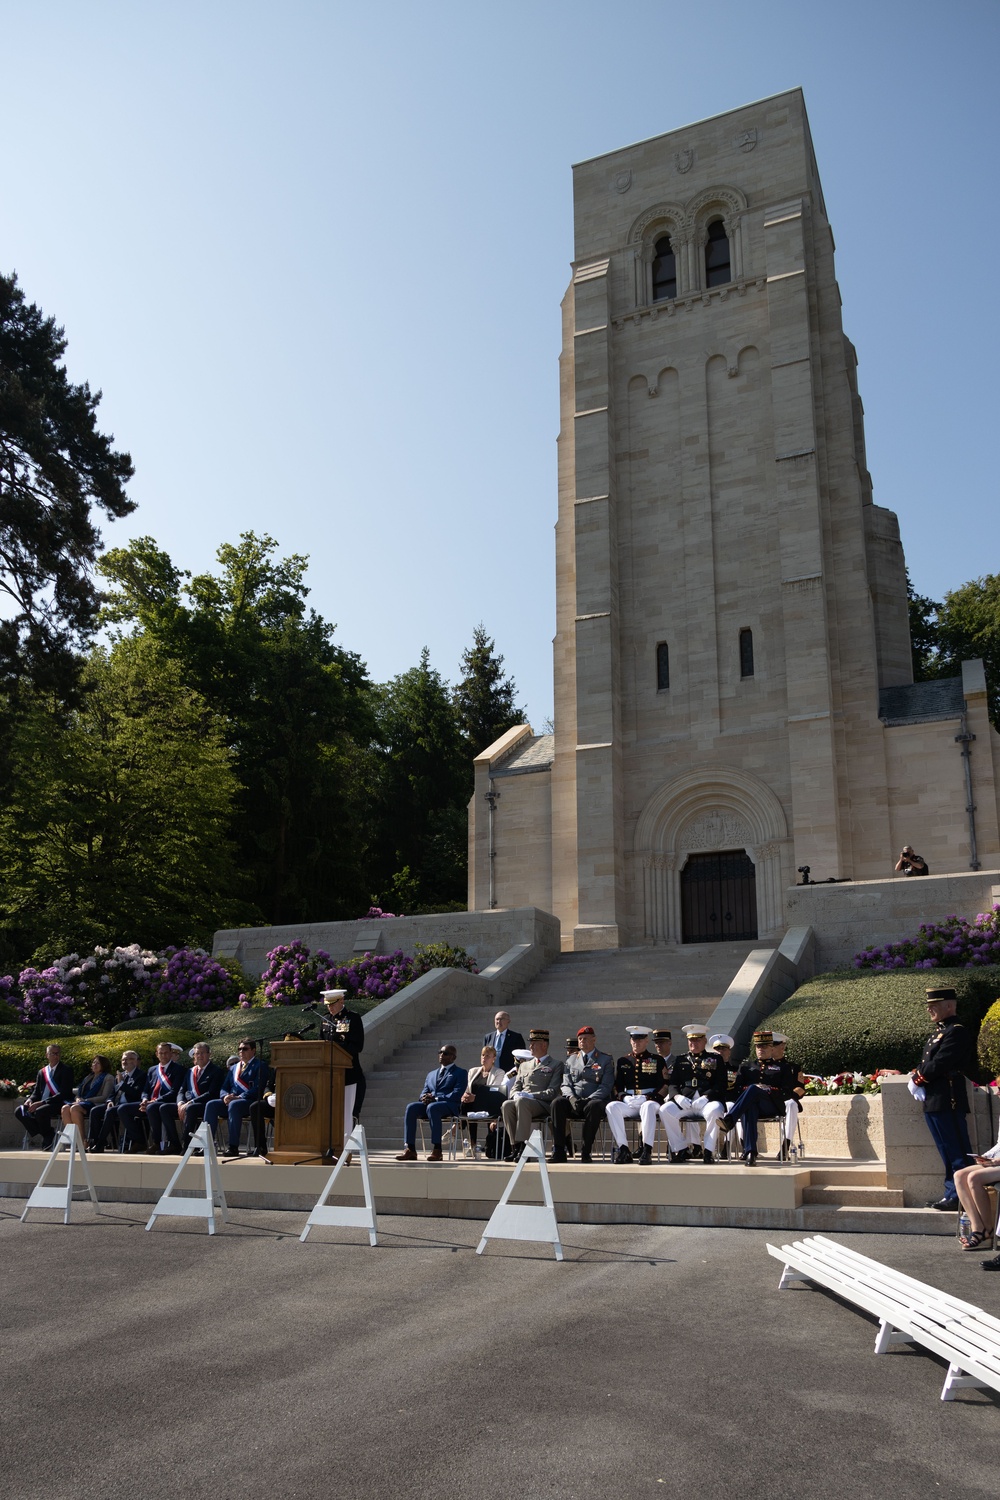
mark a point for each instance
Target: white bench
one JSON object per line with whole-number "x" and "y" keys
{"x": 909, "y": 1311}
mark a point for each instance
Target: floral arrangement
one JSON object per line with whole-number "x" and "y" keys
{"x": 954, "y": 943}
{"x": 11, "y": 1090}
{"x": 845, "y": 1083}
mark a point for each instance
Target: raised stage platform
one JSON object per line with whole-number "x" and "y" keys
{"x": 816, "y": 1197}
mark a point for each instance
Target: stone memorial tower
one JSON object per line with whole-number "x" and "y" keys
{"x": 731, "y": 604}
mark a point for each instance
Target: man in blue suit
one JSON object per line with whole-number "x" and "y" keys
{"x": 240, "y": 1090}
{"x": 441, "y": 1098}
{"x": 160, "y": 1094}
{"x": 204, "y": 1082}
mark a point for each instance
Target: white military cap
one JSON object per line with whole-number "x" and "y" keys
{"x": 333, "y": 994}
{"x": 638, "y": 1030}
{"x": 523, "y": 1053}
{"x": 776, "y": 1036}
{"x": 692, "y": 1030}
{"x": 721, "y": 1039}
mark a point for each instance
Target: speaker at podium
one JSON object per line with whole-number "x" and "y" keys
{"x": 309, "y": 1100}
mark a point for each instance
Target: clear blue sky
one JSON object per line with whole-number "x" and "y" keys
{"x": 313, "y": 254}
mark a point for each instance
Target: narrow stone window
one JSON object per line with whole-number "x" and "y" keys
{"x": 664, "y": 270}
{"x": 746, "y": 653}
{"x": 662, "y": 667}
{"x": 717, "y": 264}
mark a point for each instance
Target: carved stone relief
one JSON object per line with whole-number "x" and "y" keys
{"x": 716, "y": 830}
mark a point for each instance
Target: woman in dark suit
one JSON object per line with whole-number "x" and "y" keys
{"x": 95, "y": 1087}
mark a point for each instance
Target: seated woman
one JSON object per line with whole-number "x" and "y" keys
{"x": 485, "y": 1094}
{"x": 970, "y": 1185}
{"x": 96, "y": 1087}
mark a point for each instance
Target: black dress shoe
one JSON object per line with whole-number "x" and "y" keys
{"x": 677, "y": 1157}
{"x": 726, "y": 1123}
{"x": 623, "y": 1156}
{"x": 749, "y": 1158}
{"x": 646, "y": 1156}
{"x": 992, "y": 1265}
{"x": 587, "y": 1160}
{"x": 946, "y": 1205}
{"x": 707, "y": 1158}
{"x": 558, "y": 1158}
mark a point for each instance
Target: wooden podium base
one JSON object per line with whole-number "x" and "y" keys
{"x": 309, "y": 1111}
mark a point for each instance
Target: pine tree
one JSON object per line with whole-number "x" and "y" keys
{"x": 485, "y": 698}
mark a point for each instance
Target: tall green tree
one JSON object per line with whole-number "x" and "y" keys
{"x": 420, "y": 790}
{"x": 297, "y": 708}
{"x": 969, "y": 627}
{"x": 485, "y": 698}
{"x": 118, "y": 826}
{"x": 56, "y": 468}
{"x": 925, "y": 636}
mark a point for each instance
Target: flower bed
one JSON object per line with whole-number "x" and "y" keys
{"x": 954, "y": 943}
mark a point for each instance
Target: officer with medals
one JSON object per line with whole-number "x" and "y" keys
{"x": 793, "y": 1105}
{"x": 947, "y": 1061}
{"x": 697, "y": 1087}
{"x": 723, "y": 1045}
{"x": 532, "y": 1090}
{"x": 763, "y": 1086}
{"x": 346, "y": 1028}
{"x": 638, "y": 1076}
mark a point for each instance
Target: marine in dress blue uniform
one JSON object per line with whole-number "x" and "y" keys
{"x": 946, "y": 1063}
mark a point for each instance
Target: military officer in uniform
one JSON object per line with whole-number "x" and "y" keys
{"x": 697, "y": 1086}
{"x": 946, "y": 1063}
{"x": 346, "y": 1028}
{"x": 588, "y": 1082}
{"x": 638, "y": 1077}
{"x": 763, "y": 1086}
{"x": 531, "y": 1091}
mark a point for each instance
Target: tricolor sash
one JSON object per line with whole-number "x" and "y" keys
{"x": 238, "y": 1080}
{"x": 162, "y": 1083}
{"x": 49, "y": 1082}
{"x": 194, "y": 1078}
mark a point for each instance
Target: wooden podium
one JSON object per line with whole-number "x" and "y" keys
{"x": 309, "y": 1100}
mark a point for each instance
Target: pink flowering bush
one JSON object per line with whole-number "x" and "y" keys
{"x": 192, "y": 979}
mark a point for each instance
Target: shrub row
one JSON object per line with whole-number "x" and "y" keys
{"x": 864, "y": 1021}
{"x": 22, "y": 1059}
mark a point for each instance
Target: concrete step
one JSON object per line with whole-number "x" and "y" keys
{"x": 855, "y": 1197}
{"x": 849, "y": 1175}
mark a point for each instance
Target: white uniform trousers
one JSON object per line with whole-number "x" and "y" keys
{"x": 350, "y": 1090}
{"x": 617, "y": 1111}
{"x": 710, "y": 1110}
{"x": 791, "y": 1118}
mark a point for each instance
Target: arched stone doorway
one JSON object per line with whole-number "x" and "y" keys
{"x": 714, "y": 812}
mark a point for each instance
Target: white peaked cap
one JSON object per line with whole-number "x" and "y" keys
{"x": 523, "y": 1053}
{"x": 638, "y": 1030}
{"x": 692, "y": 1030}
{"x": 332, "y": 994}
{"x": 721, "y": 1039}
{"x": 776, "y": 1036}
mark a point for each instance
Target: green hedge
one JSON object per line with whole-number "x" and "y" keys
{"x": 21, "y": 1059}
{"x": 989, "y": 1044}
{"x": 859, "y": 1019}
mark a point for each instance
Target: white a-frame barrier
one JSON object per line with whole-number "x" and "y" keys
{"x": 525, "y": 1221}
{"x": 214, "y": 1200}
{"x": 332, "y": 1213}
{"x": 62, "y": 1197}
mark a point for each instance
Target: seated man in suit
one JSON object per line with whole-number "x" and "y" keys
{"x": 129, "y": 1086}
{"x": 441, "y": 1098}
{"x": 532, "y": 1091}
{"x": 42, "y": 1109}
{"x": 241, "y": 1090}
{"x": 588, "y": 1082}
{"x": 204, "y": 1081}
{"x": 162, "y": 1084}
{"x": 503, "y": 1040}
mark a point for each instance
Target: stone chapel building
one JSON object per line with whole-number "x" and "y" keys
{"x": 733, "y": 687}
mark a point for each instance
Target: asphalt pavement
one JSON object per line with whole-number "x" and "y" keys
{"x": 651, "y": 1361}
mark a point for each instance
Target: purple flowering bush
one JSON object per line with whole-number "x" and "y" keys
{"x": 293, "y": 975}
{"x": 375, "y": 976}
{"x": 191, "y": 979}
{"x": 104, "y": 987}
{"x": 375, "y": 913}
{"x": 954, "y": 943}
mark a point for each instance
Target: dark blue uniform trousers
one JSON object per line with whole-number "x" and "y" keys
{"x": 752, "y": 1105}
{"x": 237, "y": 1112}
{"x": 951, "y": 1137}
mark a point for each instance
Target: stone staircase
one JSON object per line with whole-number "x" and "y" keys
{"x": 609, "y": 990}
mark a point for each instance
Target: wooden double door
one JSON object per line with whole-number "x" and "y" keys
{"x": 718, "y": 897}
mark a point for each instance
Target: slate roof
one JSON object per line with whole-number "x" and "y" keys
{"x": 921, "y": 702}
{"x": 534, "y": 754}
